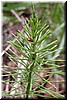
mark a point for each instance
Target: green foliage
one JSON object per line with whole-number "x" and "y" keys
{"x": 34, "y": 54}
{"x": 17, "y": 6}
{"x": 7, "y": 6}
{"x": 53, "y": 13}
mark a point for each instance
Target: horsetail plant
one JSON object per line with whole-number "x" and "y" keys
{"x": 32, "y": 58}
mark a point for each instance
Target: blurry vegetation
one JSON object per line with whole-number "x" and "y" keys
{"x": 15, "y": 6}
{"x": 50, "y": 13}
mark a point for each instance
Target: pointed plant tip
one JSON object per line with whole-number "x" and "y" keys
{"x": 50, "y": 35}
{"x": 19, "y": 31}
{"x": 13, "y": 34}
{"x": 8, "y": 41}
{"x": 27, "y": 19}
{"x": 49, "y": 30}
{"x": 56, "y": 40}
{"x": 60, "y": 48}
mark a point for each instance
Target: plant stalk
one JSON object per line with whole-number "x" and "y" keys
{"x": 30, "y": 74}
{"x": 29, "y": 81}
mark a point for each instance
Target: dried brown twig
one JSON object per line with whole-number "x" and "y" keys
{"x": 19, "y": 19}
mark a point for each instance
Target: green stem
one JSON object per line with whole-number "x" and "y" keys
{"x": 29, "y": 81}
{"x": 30, "y": 74}
{"x": 29, "y": 87}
